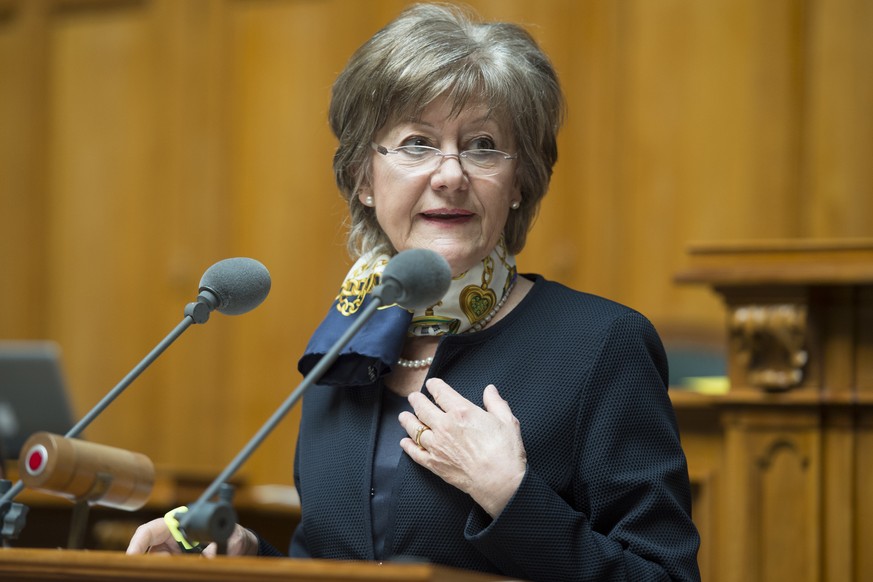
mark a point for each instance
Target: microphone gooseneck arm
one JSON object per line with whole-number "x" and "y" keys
{"x": 208, "y": 520}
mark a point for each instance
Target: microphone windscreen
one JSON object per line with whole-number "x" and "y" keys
{"x": 240, "y": 284}
{"x": 416, "y": 278}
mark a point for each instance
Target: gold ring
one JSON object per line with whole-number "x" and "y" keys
{"x": 418, "y": 432}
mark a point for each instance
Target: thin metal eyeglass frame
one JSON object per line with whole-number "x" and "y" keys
{"x": 438, "y": 153}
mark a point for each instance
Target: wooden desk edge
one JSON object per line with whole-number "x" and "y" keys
{"x": 42, "y": 564}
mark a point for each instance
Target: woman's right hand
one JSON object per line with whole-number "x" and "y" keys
{"x": 154, "y": 538}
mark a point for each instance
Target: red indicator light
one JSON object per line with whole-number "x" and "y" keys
{"x": 37, "y": 457}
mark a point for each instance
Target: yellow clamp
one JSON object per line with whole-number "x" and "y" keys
{"x": 173, "y": 526}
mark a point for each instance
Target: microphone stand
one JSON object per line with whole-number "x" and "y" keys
{"x": 208, "y": 520}
{"x": 13, "y": 515}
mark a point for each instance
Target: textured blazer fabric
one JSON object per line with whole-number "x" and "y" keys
{"x": 605, "y": 496}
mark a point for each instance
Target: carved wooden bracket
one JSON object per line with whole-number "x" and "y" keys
{"x": 771, "y": 342}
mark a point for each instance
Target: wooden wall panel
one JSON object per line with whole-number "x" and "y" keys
{"x": 586, "y": 177}
{"x": 862, "y": 558}
{"x": 22, "y": 205}
{"x": 705, "y": 134}
{"x": 838, "y": 535}
{"x": 837, "y": 178}
{"x": 286, "y": 208}
{"x": 100, "y": 223}
{"x": 787, "y": 458}
{"x": 705, "y": 451}
{"x": 189, "y": 195}
{"x": 135, "y": 216}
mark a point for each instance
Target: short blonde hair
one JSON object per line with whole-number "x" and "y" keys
{"x": 428, "y": 51}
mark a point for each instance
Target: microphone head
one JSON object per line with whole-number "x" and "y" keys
{"x": 240, "y": 284}
{"x": 415, "y": 278}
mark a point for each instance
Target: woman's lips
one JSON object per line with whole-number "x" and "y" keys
{"x": 447, "y": 215}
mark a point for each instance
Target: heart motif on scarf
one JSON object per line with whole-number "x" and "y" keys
{"x": 477, "y": 302}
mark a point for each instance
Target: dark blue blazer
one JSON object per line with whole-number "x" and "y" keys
{"x": 606, "y": 494}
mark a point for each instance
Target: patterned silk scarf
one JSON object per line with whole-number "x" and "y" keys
{"x": 471, "y": 301}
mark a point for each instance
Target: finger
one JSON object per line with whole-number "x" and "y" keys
{"x": 240, "y": 543}
{"x": 153, "y": 534}
{"x": 137, "y": 545}
{"x": 210, "y": 551}
{"x": 409, "y": 422}
{"x": 244, "y": 542}
{"x": 424, "y": 412}
{"x": 418, "y": 454}
{"x": 496, "y": 405}
{"x": 413, "y": 426}
{"x": 444, "y": 395}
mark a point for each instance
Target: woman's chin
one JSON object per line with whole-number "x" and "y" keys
{"x": 460, "y": 259}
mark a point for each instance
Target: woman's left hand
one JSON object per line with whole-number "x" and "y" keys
{"x": 477, "y": 450}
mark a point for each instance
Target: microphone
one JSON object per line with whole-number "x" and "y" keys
{"x": 235, "y": 286}
{"x": 413, "y": 278}
{"x": 232, "y": 286}
{"x": 85, "y": 471}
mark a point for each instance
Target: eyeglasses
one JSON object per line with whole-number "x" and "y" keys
{"x": 424, "y": 159}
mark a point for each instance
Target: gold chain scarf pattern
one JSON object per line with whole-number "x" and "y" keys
{"x": 472, "y": 297}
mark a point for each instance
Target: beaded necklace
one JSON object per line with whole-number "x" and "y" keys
{"x": 479, "y": 325}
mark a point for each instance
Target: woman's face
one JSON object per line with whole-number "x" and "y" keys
{"x": 446, "y": 210}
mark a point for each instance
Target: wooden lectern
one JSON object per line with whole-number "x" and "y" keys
{"x": 782, "y": 464}
{"x": 92, "y": 566}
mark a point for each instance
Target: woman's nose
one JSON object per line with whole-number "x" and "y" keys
{"x": 449, "y": 174}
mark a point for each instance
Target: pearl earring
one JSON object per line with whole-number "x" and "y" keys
{"x": 368, "y": 201}
{"x": 515, "y": 205}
